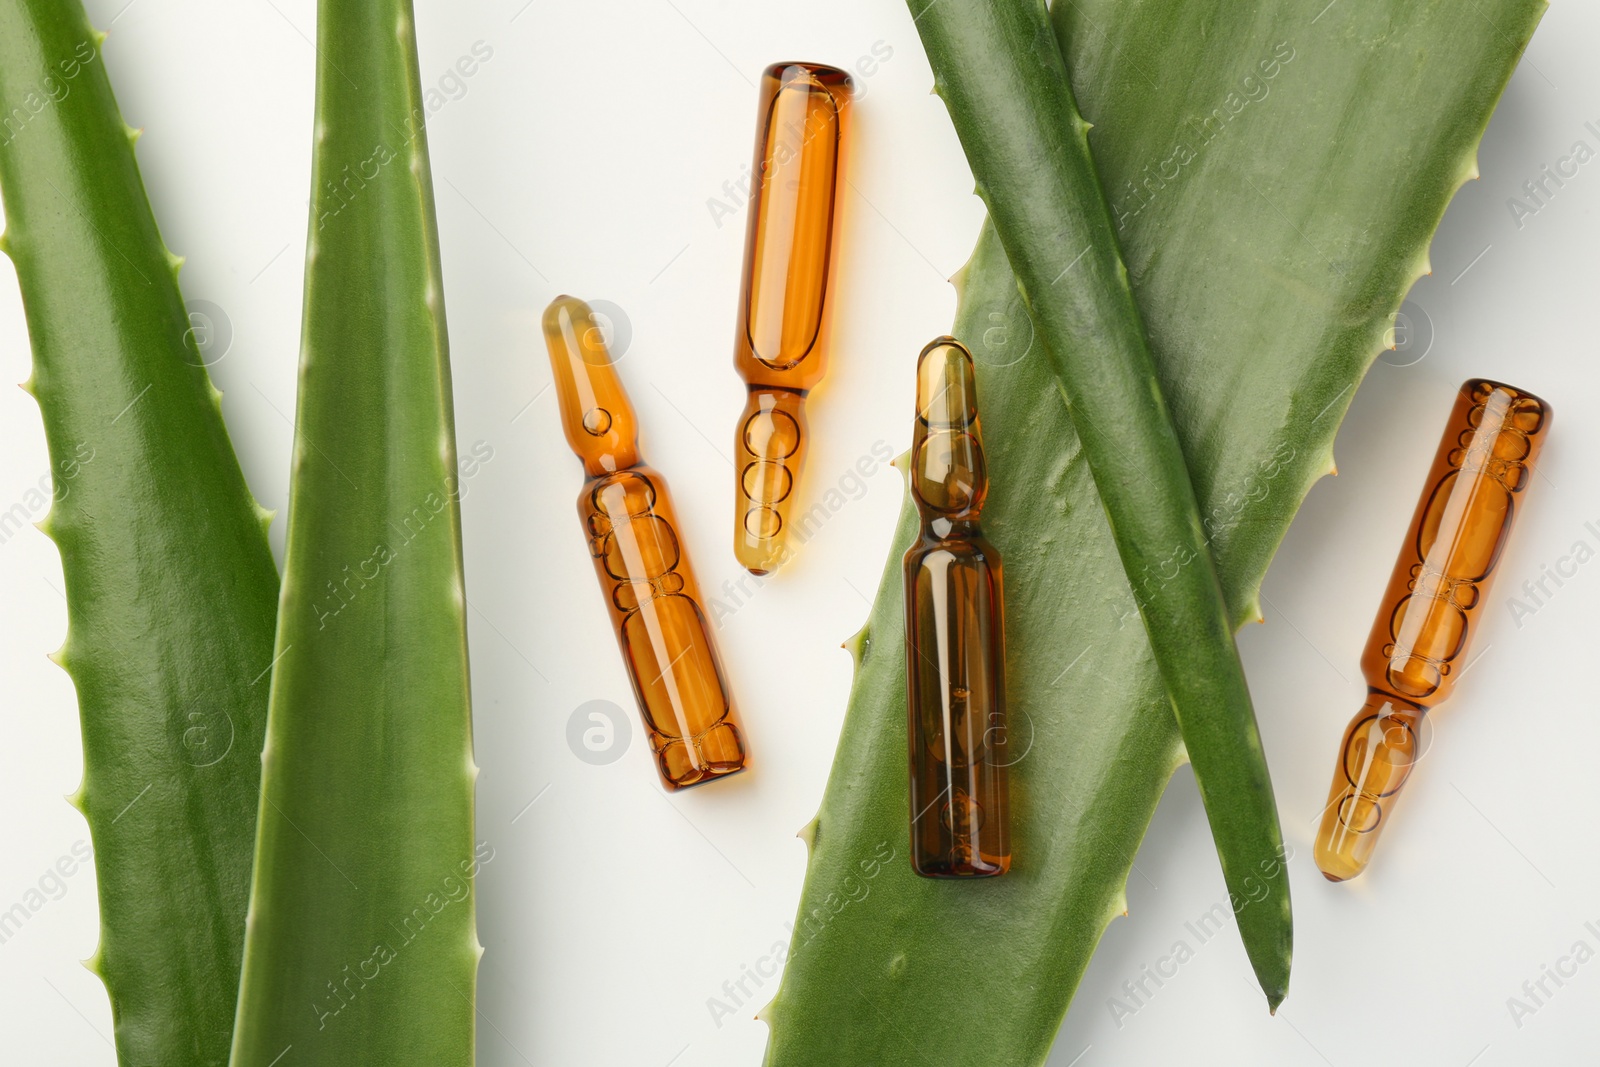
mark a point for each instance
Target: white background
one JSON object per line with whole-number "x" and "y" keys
{"x": 581, "y": 158}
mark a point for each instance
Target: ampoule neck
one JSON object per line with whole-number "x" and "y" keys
{"x": 945, "y": 528}
{"x": 598, "y": 466}
{"x": 1380, "y": 697}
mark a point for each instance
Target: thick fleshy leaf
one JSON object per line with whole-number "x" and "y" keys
{"x": 361, "y": 946}
{"x": 171, "y": 590}
{"x": 1277, "y": 176}
{"x": 998, "y": 68}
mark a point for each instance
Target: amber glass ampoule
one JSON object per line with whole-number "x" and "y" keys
{"x": 783, "y": 300}
{"x": 1418, "y": 646}
{"x": 649, "y": 588}
{"x": 955, "y": 643}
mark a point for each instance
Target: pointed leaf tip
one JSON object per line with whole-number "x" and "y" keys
{"x": 1275, "y": 997}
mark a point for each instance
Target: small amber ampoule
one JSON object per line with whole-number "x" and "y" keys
{"x": 955, "y": 644}
{"x": 779, "y": 349}
{"x": 1438, "y": 589}
{"x": 633, "y": 537}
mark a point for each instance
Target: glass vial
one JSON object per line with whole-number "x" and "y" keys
{"x": 779, "y": 349}
{"x": 1419, "y": 642}
{"x": 649, "y": 588}
{"x": 955, "y": 644}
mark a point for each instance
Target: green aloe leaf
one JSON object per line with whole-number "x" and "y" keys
{"x": 1000, "y": 72}
{"x": 361, "y": 944}
{"x": 1276, "y": 175}
{"x": 171, "y": 590}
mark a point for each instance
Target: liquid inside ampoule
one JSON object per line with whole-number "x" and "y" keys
{"x": 780, "y": 349}
{"x": 955, "y": 644}
{"x": 1419, "y": 642}
{"x": 650, "y": 590}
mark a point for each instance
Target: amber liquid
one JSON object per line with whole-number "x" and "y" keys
{"x": 1440, "y": 584}
{"x": 779, "y": 349}
{"x": 649, "y": 588}
{"x": 661, "y": 629}
{"x": 955, "y": 645}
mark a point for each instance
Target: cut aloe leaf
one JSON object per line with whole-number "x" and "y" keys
{"x": 361, "y": 945}
{"x": 171, "y": 590}
{"x": 1267, "y": 268}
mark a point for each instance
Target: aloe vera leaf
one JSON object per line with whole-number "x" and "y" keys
{"x": 361, "y": 944}
{"x": 1000, "y": 72}
{"x": 1264, "y": 307}
{"x": 171, "y": 589}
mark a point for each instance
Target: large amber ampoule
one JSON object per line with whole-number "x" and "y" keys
{"x": 1440, "y": 584}
{"x": 783, "y": 300}
{"x": 955, "y": 644}
{"x": 633, "y": 537}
